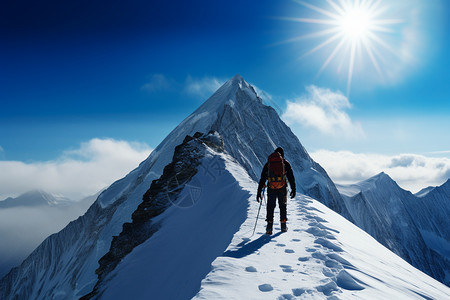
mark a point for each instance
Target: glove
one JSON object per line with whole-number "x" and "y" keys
{"x": 259, "y": 197}
{"x": 293, "y": 194}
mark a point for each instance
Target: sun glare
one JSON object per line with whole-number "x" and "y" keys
{"x": 355, "y": 23}
{"x": 349, "y": 29}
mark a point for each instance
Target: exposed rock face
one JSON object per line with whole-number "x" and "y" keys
{"x": 162, "y": 193}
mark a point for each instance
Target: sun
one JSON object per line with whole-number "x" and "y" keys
{"x": 350, "y": 29}
{"x": 355, "y": 23}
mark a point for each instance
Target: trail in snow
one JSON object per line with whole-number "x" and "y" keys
{"x": 322, "y": 256}
{"x": 281, "y": 262}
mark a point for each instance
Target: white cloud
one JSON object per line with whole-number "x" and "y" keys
{"x": 203, "y": 87}
{"x": 77, "y": 173}
{"x": 158, "y": 82}
{"x": 324, "y": 111}
{"x": 411, "y": 171}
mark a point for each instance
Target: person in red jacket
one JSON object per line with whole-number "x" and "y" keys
{"x": 277, "y": 171}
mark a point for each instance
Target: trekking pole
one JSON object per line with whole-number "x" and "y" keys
{"x": 260, "y": 203}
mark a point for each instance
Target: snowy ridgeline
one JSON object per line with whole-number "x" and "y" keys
{"x": 208, "y": 219}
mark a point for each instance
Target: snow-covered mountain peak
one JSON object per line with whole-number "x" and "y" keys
{"x": 228, "y": 94}
{"x": 380, "y": 180}
{"x": 425, "y": 191}
{"x": 34, "y": 198}
{"x": 443, "y": 189}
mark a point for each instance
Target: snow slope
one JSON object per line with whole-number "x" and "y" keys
{"x": 416, "y": 228}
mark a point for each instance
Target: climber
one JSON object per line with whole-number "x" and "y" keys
{"x": 276, "y": 171}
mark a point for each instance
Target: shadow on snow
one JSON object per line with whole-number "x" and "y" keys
{"x": 249, "y": 248}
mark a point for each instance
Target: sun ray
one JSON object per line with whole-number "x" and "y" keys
{"x": 328, "y": 41}
{"x": 331, "y": 56}
{"x": 308, "y": 20}
{"x": 388, "y": 21}
{"x": 336, "y": 7}
{"x": 382, "y": 43}
{"x": 372, "y": 57}
{"x": 351, "y": 66}
{"x": 307, "y": 36}
{"x": 318, "y": 9}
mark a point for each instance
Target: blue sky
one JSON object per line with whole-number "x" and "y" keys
{"x": 79, "y": 71}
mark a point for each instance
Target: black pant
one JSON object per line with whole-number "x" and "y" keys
{"x": 272, "y": 196}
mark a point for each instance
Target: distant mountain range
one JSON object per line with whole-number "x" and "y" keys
{"x": 35, "y": 198}
{"x": 25, "y": 221}
{"x": 416, "y": 227}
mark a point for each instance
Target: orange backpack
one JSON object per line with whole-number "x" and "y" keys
{"x": 276, "y": 171}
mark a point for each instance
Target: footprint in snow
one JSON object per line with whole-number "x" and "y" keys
{"x": 286, "y": 268}
{"x": 265, "y": 287}
{"x": 280, "y": 245}
{"x": 328, "y": 273}
{"x": 318, "y": 219}
{"x": 251, "y": 269}
{"x": 295, "y": 240}
{"x": 332, "y": 264}
{"x": 340, "y": 260}
{"x": 327, "y": 244}
{"x": 289, "y": 251}
{"x": 298, "y": 292}
{"x": 303, "y": 258}
{"x": 317, "y": 232}
{"x": 328, "y": 288}
{"x": 286, "y": 297}
{"x": 321, "y": 226}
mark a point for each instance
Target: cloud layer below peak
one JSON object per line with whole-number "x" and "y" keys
{"x": 411, "y": 171}
{"x": 77, "y": 173}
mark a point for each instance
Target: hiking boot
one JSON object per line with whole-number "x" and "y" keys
{"x": 283, "y": 226}
{"x": 269, "y": 227}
